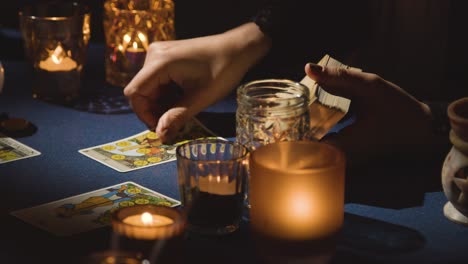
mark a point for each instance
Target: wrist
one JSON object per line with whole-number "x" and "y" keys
{"x": 247, "y": 43}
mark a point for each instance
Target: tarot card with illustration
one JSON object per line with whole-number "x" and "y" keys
{"x": 90, "y": 210}
{"x": 143, "y": 149}
{"x": 12, "y": 150}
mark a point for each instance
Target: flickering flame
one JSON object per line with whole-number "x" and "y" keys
{"x": 146, "y": 218}
{"x": 57, "y": 55}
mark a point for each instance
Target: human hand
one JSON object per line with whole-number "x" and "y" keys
{"x": 205, "y": 69}
{"x": 389, "y": 121}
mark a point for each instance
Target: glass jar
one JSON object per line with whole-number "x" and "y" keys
{"x": 271, "y": 110}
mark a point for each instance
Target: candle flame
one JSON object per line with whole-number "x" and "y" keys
{"x": 301, "y": 206}
{"x": 146, "y": 218}
{"x": 58, "y": 54}
{"x": 135, "y": 45}
{"x": 142, "y": 37}
{"x": 127, "y": 38}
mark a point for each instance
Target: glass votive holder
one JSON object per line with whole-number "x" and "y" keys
{"x": 129, "y": 27}
{"x": 55, "y": 37}
{"x": 271, "y": 110}
{"x": 308, "y": 179}
{"x": 155, "y": 232}
{"x": 212, "y": 174}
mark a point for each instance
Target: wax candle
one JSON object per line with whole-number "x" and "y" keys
{"x": 219, "y": 184}
{"x": 58, "y": 61}
{"x": 147, "y": 219}
{"x": 148, "y": 222}
{"x": 135, "y": 56}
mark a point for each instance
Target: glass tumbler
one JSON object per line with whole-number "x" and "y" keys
{"x": 212, "y": 175}
{"x": 271, "y": 110}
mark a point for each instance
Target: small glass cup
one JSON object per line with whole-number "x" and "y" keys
{"x": 212, "y": 174}
{"x": 129, "y": 27}
{"x": 56, "y": 37}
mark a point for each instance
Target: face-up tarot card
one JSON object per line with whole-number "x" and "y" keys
{"x": 144, "y": 149}
{"x": 11, "y": 150}
{"x": 90, "y": 210}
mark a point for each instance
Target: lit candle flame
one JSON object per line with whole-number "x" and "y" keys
{"x": 135, "y": 45}
{"x": 58, "y": 54}
{"x": 146, "y": 218}
{"x": 127, "y": 39}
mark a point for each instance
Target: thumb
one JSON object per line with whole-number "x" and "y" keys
{"x": 339, "y": 81}
{"x": 171, "y": 122}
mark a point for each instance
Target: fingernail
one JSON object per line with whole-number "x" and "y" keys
{"x": 315, "y": 68}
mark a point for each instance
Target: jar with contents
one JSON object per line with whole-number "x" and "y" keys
{"x": 271, "y": 110}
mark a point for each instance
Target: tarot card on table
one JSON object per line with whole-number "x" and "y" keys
{"x": 12, "y": 150}
{"x": 90, "y": 210}
{"x": 143, "y": 149}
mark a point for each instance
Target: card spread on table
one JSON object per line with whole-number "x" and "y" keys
{"x": 90, "y": 210}
{"x": 144, "y": 149}
{"x": 11, "y": 150}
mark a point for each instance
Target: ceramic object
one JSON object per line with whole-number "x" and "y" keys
{"x": 455, "y": 167}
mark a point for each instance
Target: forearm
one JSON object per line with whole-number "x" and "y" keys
{"x": 247, "y": 43}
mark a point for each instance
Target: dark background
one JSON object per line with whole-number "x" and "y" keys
{"x": 425, "y": 52}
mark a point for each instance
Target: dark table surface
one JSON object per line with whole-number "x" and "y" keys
{"x": 386, "y": 221}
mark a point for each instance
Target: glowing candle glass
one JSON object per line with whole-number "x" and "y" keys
{"x": 130, "y": 26}
{"x": 297, "y": 191}
{"x": 154, "y": 231}
{"x": 56, "y": 37}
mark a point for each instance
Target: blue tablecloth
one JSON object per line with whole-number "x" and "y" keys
{"x": 399, "y": 222}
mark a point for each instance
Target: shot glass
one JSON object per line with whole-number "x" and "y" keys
{"x": 55, "y": 37}
{"x": 297, "y": 198}
{"x": 130, "y": 26}
{"x": 212, "y": 174}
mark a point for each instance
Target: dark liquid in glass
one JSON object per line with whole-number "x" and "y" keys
{"x": 214, "y": 210}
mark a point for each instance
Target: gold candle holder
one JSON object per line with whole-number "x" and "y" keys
{"x": 130, "y": 26}
{"x": 155, "y": 232}
{"x": 296, "y": 196}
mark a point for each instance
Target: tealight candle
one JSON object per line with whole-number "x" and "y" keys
{"x": 148, "y": 222}
{"x": 58, "y": 61}
{"x": 147, "y": 219}
{"x": 136, "y": 56}
{"x": 155, "y": 232}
